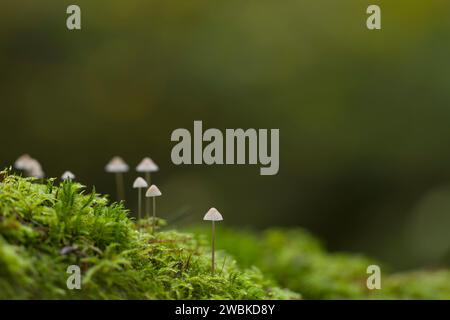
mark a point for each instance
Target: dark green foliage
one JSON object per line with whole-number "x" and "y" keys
{"x": 44, "y": 228}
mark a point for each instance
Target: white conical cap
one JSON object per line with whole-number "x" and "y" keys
{"x": 22, "y": 163}
{"x": 68, "y": 176}
{"x": 34, "y": 169}
{"x": 153, "y": 191}
{"x": 147, "y": 165}
{"x": 140, "y": 183}
{"x": 116, "y": 165}
{"x": 213, "y": 215}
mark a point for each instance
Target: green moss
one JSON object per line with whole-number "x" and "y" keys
{"x": 44, "y": 228}
{"x": 416, "y": 285}
{"x": 298, "y": 261}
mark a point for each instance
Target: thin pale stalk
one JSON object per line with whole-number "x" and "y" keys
{"x": 213, "y": 245}
{"x": 120, "y": 186}
{"x": 147, "y": 200}
{"x": 140, "y": 203}
{"x": 154, "y": 215}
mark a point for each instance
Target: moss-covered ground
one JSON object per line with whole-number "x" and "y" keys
{"x": 297, "y": 260}
{"x": 47, "y": 226}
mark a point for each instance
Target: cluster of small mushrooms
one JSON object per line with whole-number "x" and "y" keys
{"x": 32, "y": 168}
{"x": 117, "y": 166}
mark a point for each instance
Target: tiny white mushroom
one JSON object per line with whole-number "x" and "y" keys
{"x": 22, "y": 163}
{"x": 34, "y": 169}
{"x": 213, "y": 215}
{"x": 153, "y": 192}
{"x": 67, "y": 176}
{"x": 139, "y": 184}
{"x": 117, "y": 166}
{"x": 147, "y": 166}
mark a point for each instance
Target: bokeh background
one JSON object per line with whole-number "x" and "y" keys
{"x": 364, "y": 116}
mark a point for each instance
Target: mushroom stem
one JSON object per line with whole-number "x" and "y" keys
{"x": 154, "y": 215}
{"x": 120, "y": 187}
{"x": 213, "y": 245}
{"x": 140, "y": 203}
{"x": 213, "y": 215}
{"x": 147, "y": 200}
{"x": 139, "y": 184}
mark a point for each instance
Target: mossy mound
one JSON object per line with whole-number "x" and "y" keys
{"x": 44, "y": 228}
{"x": 297, "y": 260}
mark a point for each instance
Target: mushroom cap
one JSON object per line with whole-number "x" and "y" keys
{"x": 147, "y": 165}
{"x": 33, "y": 164}
{"x": 116, "y": 164}
{"x": 37, "y": 173}
{"x": 34, "y": 169}
{"x": 140, "y": 183}
{"x": 153, "y": 191}
{"x": 67, "y": 175}
{"x": 22, "y": 162}
{"x": 213, "y": 215}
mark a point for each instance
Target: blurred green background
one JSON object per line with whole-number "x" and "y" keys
{"x": 363, "y": 115}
